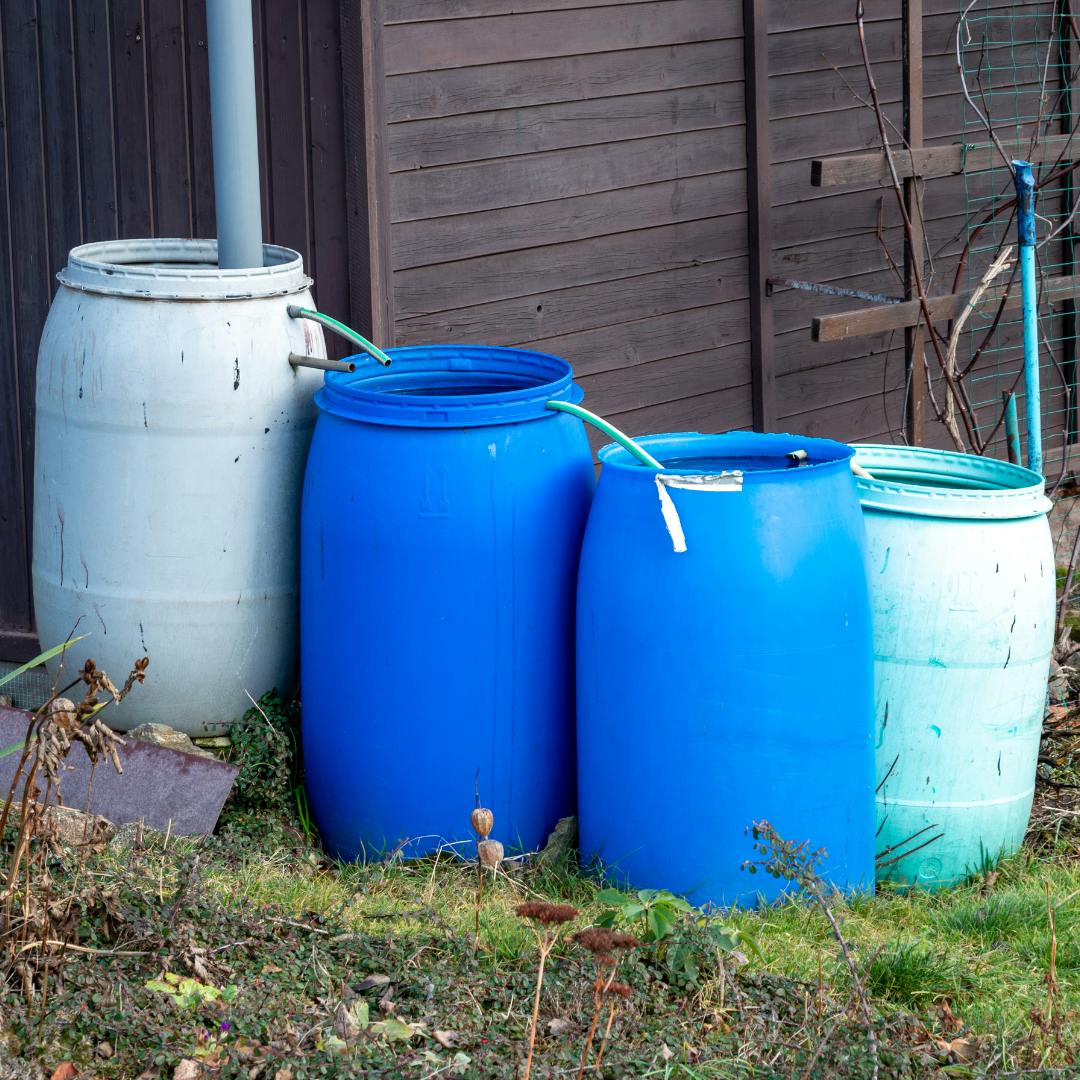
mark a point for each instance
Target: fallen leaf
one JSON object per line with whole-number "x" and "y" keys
{"x": 372, "y": 981}
{"x": 345, "y": 1027}
{"x": 283, "y": 1074}
{"x": 665, "y": 1053}
{"x": 397, "y": 1030}
{"x": 104, "y": 1050}
{"x": 64, "y": 1071}
{"x": 560, "y": 1025}
{"x": 990, "y": 882}
{"x": 187, "y": 1070}
{"x": 447, "y": 1039}
{"x": 959, "y": 1051}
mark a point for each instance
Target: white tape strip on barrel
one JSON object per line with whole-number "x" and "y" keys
{"x": 725, "y": 481}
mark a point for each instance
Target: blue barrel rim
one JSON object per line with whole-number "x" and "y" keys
{"x": 508, "y": 386}
{"x": 993, "y": 490}
{"x": 824, "y": 453}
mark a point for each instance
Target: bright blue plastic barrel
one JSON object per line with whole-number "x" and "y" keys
{"x": 730, "y": 682}
{"x": 442, "y": 518}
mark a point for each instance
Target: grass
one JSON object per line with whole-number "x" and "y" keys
{"x": 296, "y": 935}
{"x": 320, "y": 969}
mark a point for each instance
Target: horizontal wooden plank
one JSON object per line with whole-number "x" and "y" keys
{"x": 828, "y": 44}
{"x": 938, "y": 160}
{"x": 565, "y": 311}
{"x": 461, "y": 189}
{"x": 461, "y": 236}
{"x": 851, "y": 421}
{"x": 480, "y": 136}
{"x": 624, "y": 345}
{"x": 835, "y": 384}
{"x": 721, "y": 410}
{"x": 670, "y": 379}
{"x": 423, "y": 95}
{"x": 789, "y": 15}
{"x": 450, "y": 286}
{"x": 875, "y": 319}
{"x": 425, "y": 46}
{"x": 398, "y": 11}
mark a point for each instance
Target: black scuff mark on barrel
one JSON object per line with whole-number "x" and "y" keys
{"x": 238, "y": 599}
{"x": 145, "y": 422}
{"x": 1008, "y": 657}
{"x": 885, "y": 718}
{"x": 1013, "y": 627}
{"x": 266, "y": 431}
{"x": 236, "y": 374}
{"x": 104, "y": 628}
{"x": 181, "y": 357}
{"x": 997, "y": 568}
{"x": 86, "y": 571}
{"x": 236, "y": 459}
{"x": 142, "y": 638}
{"x": 999, "y": 763}
{"x": 60, "y": 516}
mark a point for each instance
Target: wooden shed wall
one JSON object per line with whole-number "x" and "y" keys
{"x": 105, "y": 133}
{"x": 571, "y": 177}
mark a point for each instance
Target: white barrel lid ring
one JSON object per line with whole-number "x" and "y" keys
{"x": 177, "y": 269}
{"x": 947, "y": 484}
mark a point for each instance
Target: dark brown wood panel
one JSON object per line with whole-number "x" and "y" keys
{"x": 674, "y": 378}
{"x": 429, "y": 193}
{"x": 170, "y": 168}
{"x": 452, "y": 286}
{"x": 721, "y": 410}
{"x": 460, "y": 236}
{"x": 480, "y": 136}
{"x": 423, "y": 95}
{"x": 435, "y": 10}
{"x": 457, "y": 43}
{"x": 623, "y": 346}
{"x": 568, "y": 310}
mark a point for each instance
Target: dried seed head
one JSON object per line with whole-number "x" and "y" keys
{"x": 482, "y": 822}
{"x": 547, "y": 913}
{"x": 596, "y": 939}
{"x": 621, "y": 989}
{"x": 490, "y": 852}
{"x": 624, "y": 941}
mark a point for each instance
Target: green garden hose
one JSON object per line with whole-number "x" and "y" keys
{"x": 346, "y": 332}
{"x": 610, "y": 430}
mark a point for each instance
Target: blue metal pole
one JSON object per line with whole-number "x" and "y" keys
{"x": 1012, "y": 427}
{"x": 1025, "y": 223}
{"x": 235, "y": 133}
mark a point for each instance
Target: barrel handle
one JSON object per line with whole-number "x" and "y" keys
{"x": 341, "y": 329}
{"x": 320, "y": 363}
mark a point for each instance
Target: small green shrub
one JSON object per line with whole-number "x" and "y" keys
{"x": 265, "y": 746}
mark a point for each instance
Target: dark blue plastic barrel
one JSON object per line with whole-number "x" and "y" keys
{"x": 442, "y": 519}
{"x": 730, "y": 682}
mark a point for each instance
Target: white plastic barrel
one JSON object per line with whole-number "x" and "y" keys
{"x": 170, "y": 445}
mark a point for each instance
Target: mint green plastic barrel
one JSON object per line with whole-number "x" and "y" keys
{"x": 962, "y": 581}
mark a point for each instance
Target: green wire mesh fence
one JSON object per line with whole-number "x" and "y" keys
{"x": 1018, "y": 65}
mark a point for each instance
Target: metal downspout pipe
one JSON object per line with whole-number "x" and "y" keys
{"x": 235, "y": 133}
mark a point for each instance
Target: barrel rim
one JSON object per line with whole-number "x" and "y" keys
{"x": 1010, "y": 491}
{"x": 751, "y": 443}
{"x": 162, "y": 269}
{"x": 343, "y": 393}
